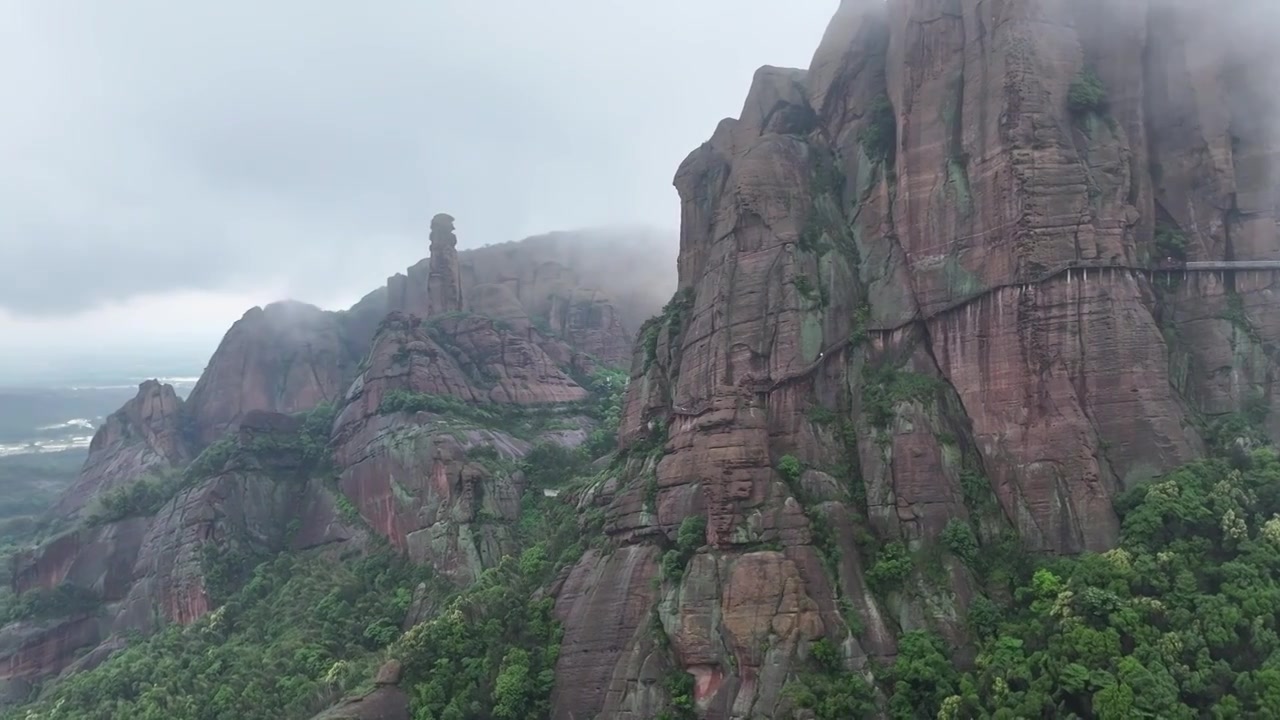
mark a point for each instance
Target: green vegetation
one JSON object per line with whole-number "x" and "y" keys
{"x": 517, "y": 420}
{"x": 892, "y": 567}
{"x": 62, "y": 601}
{"x": 831, "y": 693}
{"x": 1180, "y": 621}
{"x": 609, "y": 389}
{"x": 880, "y": 136}
{"x": 691, "y": 536}
{"x": 147, "y": 495}
{"x": 491, "y": 651}
{"x": 303, "y": 632}
{"x": 958, "y": 537}
{"x": 822, "y": 535}
{"x": 885, "y": 387}
{"x": 680, "y": 689}
{"x": 672, "y": 318}
{"x": 141, "y": 497}
{"x": 1087, "y": 94}
{"x": 1170, "y": 242}
{"x": 790, "y": 468}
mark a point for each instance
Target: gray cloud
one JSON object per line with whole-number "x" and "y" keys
{"x": 155, "y": 147}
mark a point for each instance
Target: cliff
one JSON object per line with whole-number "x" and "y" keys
{"x": 932, "y": 319}
{"x": 409, "y": 428}
{"x": 919, "y": 290}
{"x": 142, "y": 436}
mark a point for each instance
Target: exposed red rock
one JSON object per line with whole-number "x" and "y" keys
{"x": 143, "y": 436}
{"x": 286, "y": 357}
{"x": 586, "y": 290}
{"x": 917, "y": 265}
{"x": 409, "y": 471}
{"x": 444, "y": 281}
{"x": 31, "y": 652}
{"x": 149, "y": 571}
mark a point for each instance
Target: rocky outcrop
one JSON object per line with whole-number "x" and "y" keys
{"x": 151, "y": 570}
{"x": 444, "y": 281}
{"x": 31, "y": 652}
{"x": 144, "y": 436}
{"x": 916, "y": 291}
{"x": 286, "y": 357}
{"x": 586, "y": 291}
{"x": 385, "y": 702}
{"x": 430, "y": 432}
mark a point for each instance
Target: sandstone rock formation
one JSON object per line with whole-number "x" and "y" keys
{"x": 444, "y": 282}
{"x": 148, "y": 571}
{"x": 385, "y": 702}
{"x": 286, "y": 357}
{"x": 143, "y": 436}
{"x": 414, "y": 472}
{"x": 586, "y": 290}
{"x": 923, "y": 270}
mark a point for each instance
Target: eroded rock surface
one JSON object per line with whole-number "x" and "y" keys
{"x": 921, "y": 273}
{"x": 286, "y": 357}
{"x": 146, "y": 435}
{"x": 444, "y": 282}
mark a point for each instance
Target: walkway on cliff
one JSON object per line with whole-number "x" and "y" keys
{"x": 1084, "y": 266}
{"x": 1195, "y": 267}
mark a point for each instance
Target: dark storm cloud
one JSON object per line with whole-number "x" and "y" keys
{"x": 152, "y": 146}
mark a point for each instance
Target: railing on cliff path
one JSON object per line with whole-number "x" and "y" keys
{"x": 1165, "y": 268}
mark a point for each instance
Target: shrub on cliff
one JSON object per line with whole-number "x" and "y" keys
{"x": 880, "y": 136}
{"x": 138, "y": 498}
{"x": 40, "y": 604}
{"x": 1087, "y": 94}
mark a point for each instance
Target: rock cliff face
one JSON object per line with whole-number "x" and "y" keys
{"x": 425, "y": 444}
{"x": 147, "y": 571}
{"x": 444, "y": 282}
{"x": 586, "y": 290}
{"x": 433, "y": 413}
{"x": 286, "y": 357}
{"x": 916, "y": 290}
{"x": 144, "y": 435}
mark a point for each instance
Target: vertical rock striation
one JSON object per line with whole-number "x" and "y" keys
{"x": 916, "y": 292}
{"x": 444, "y": 282}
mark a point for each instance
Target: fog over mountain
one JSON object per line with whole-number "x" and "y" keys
{"x": 169, "y": 166}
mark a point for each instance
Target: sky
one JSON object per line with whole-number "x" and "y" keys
{"x": 169, "y": 165}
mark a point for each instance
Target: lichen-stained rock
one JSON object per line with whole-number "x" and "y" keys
{"x": 98, "y": 558}
{"x": 151, "y": 571}
{"x": 587, "y": 289}
{"x": 420, "y": 476}
{"x": 922, "y": 269}
{"x": 1064, "y": 426}
{"x": 143, "y": 436}
{"x": 591, "y": 323}
{"x": 505, "y": 366}
{"x": 605, "y": 605}
{"x": 261, "y": 501}
{"x": 740, "y": 618}
{"x": 31, "y": 652}
{"x": 411, "y": 478}
{"x": 383, "y": 703}
{"x": 286, "y": 357}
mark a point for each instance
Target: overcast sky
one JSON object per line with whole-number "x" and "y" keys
{"x": 167, "y": 165}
